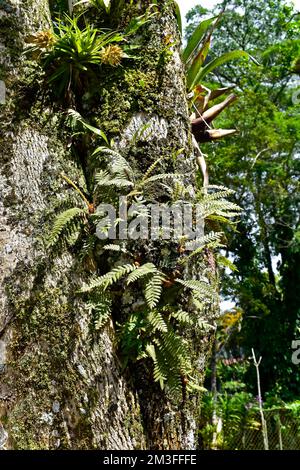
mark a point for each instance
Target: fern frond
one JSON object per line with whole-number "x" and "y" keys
{"x": 153, "y": 290}
{"x": 221, "y": 193}
{"x": 223, "y": 261}
{"x": 183, "y": 318}
{"x": 178, "y": 190}
{"x": 141, "y": 271}
{"x": 114, "y": 247}
{"x": 88, "y": 247}
{"x": 207, "y": 241}
{"x": 159, "y": 371}
{"x": 219, "y": 207}
{"x": 204, "y": 325}
{"x": 203, "y": 241}
{"x": 100, "y": 306}
{"x": 103, "y": 178}
{"x": 106, "y": 151}
{"x": 64, "y": 222}
{"x": 152, "y": 168}
{"x": 160, "y": 177}
{"x": 110, "y": 278}
{"x": 157, "y": 322}
{"x": 120, "y": 166}
{"x": 201, "y": 288}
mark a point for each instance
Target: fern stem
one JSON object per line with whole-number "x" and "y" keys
{"x": 76, "y": 189}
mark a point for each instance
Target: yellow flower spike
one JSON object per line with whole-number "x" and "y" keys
{"x": 112, "y": 55}
{"x": 43, "y": 39}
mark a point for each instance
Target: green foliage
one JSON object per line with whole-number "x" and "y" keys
{"x": 120, "y": 174}
{"x": 66, "y": 224}
{"x": 109, "y": 278}
{"x": 199, "y": 70}
{"x": 72, "y": 54}
{"x": 178, "y": 17}
{"x": 155, "y": 331}
{"x": 155, "y": 326}
{"x": 201, "y": 290}
{"x": 100, "y": 307}
{"x": 141, "y": 271}
{"x": 153, "y": 289}
{"x": 195, "y": 42}
{"x": 76, "y": 117}
{"x": 76, "y": 51}
{"x": 261, "y": 164}
{"x": 150, "y": 334}
{"x": 197, "y": 59}
{"x": 197, "y": 50}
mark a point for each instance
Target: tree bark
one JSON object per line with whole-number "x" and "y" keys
{"x": 62, "y": 385}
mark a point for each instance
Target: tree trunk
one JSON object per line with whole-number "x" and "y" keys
{"x": 62, "y": 385}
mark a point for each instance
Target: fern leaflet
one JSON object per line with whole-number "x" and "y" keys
{"x": 64, "y": 222}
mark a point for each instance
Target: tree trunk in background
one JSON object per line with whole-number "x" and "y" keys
{"x": 62, "y": 386}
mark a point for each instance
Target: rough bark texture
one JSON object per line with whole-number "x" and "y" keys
{"x": 62, "y": 385}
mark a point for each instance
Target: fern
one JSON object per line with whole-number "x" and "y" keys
{"x": 110, "y": 278}
{"x": 211, "y": 240}
{"x": 159, "y": 372}
{"x": 141, "y": 271}
{"x": 65, "y": 222}
{"x": 201, "y": 288}
{"x": 100, "y": 307}
{"x": 160, "y": 177}
{"x": 114, "y": 247}
{"x": 153, "y": 290}
{"x": 105, "y": 179}
{"x": 152, "y": 168}
{"x": 216, "y": 204}
{"x": 157, "y": 322}
{"x": 183, "y": 318}
{"x": 223, "y": 261}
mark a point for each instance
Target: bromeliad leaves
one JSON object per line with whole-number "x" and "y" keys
{"x": 72, "y": 52}
{"x": 195, "y": 57}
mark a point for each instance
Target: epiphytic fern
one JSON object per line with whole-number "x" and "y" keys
{"x": 141, "y": 271}
{"x": 110, "y": 278}
{"x": 66, "y": 224}
{"x": 151, "y": 334}
{"x": 153, "y": 289}
{"x": 120, "y": 174}
{"x": 183, "y": 318}
{"x": 103, "y": 178}
{"x": 157, "y": 321}
{"x": 213, "y": 204}
{"x": 100, "y": 306}
{"x": 211, "y": 240}
{"x": 148, "y": 272}
{"x": 200, "y": 289}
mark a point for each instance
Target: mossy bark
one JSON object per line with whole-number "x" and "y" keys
{"x": 62, "y": 385}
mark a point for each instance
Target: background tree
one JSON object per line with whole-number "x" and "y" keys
{"x": 261, "y": 163}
